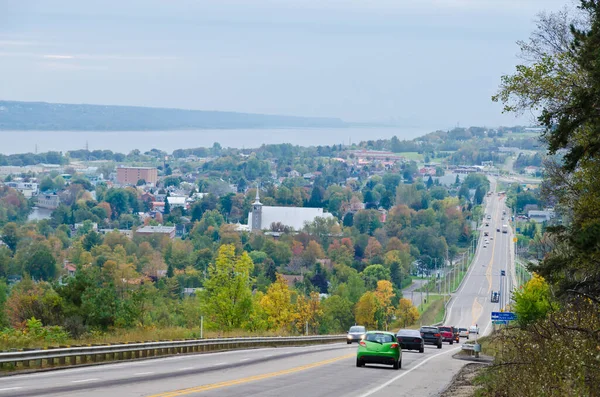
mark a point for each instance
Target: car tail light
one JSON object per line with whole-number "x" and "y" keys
{"x": 417, "y": 340}
{"x": 437, "y": 335}
{"x": 362, "y": 343}
{"x": 394, "y": 346}
{"x": 399, "y": 339}
{"x": 422, "y": 334}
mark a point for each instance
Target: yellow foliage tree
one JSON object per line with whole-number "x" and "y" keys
{"x": 366, "y": 309}
{"x": 277, "y": 304}
{"x": 308, "y": 312}
{"x": 384, "y": 294}
{"x": 407, "y": 313}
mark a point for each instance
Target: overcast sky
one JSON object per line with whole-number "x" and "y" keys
{"x": 431, "y": 63}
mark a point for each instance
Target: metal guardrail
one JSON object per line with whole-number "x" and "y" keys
{"x": 473, "y": 348}
{"x": 63, "y": 356}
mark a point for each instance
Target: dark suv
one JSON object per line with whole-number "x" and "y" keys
{"x": 432, "y": 336}
{"x": 356, "y": 334}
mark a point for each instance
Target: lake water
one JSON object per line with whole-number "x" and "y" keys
{"x": 125, "y": 141}
{"x": 37, "y": 214}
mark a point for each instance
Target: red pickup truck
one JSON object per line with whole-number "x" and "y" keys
{"x": 447, "y": 334}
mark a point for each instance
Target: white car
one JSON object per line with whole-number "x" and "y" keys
{"x": 474, "y": 329}
{"x": 463, "y": 333}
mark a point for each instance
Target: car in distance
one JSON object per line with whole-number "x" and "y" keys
{"x": 474, "y": 329}
{"x": 379, "y": 347}
{"x": 447, "y": 334}
{"x": 356, "y": 334}
{"x": 432, "y": 336}
{"x": 456, "y": 334}
{"x": 463, "y": 332}
{"x": 411, "y": 339}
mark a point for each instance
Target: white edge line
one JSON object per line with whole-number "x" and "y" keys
{"x": 84, "y": 380}
{"x": 10, "y": 388}
{"x": 389, "y": 382}
{"x": 143, "y": 373}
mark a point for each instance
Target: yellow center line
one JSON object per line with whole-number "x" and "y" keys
{"x": 476, "y": 311}
{"x": 213, "y": 386}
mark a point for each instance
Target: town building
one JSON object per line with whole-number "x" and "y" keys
{"x": 262, "y": 216}
{"x": 131, "y": 175}
{"x": 49, "y": 201}
{"x": 28, "y": 189}
{"x": 149, "y": 230}
{"x": 541, "y": 216}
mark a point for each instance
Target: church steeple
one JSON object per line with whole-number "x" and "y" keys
{"x": 257, "y": 198}
{"x": 256, "y": 212}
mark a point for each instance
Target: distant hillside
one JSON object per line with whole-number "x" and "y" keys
{"x": 57, "y": 116}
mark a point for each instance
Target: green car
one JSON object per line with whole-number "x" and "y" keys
{"x": 379, "y": 347}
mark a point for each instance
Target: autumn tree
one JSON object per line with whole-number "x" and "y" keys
{"x": 365, "y": 310}
{"x": 227, "y": 297}
{"x": 407, "y": 313}
{"x": 29, "y": 299}
{"x": 384, "y": 294}
{"x": 277, "y": 304}
{"x": 533, "y": 301}
{"x": 308, "y": 312}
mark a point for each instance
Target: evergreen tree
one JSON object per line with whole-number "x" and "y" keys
{"x": 167, "y": 209}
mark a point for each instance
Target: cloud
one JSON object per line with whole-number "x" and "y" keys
{"x": 18, "y": 43}
{"x": 88, "y": 57}
{"x": 58, "y": 56}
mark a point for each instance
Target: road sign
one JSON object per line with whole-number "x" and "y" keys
{"x": 502, "y": 272}
{"x": 505, "y": 316}
{"x": 500, "y": 322}
{"x": 518, "y": 230}
{"x": 514, "y": 239}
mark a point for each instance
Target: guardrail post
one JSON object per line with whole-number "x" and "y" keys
{"x": 50, "y": 361}
{"x": 62, "y": 360}
{"x": 25, "y": 363}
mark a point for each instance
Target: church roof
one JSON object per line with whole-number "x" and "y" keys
{"x": 294, "y": 217}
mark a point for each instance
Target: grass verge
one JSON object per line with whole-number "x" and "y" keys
{"x": 129, "y": 336}
{"x": 431, "y": 312}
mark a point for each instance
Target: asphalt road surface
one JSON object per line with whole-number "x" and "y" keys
{"x": 325, "y": 370}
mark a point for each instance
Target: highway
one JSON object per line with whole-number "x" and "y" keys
{"x": 326, "y": 370}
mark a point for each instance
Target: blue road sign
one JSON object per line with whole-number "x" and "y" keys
{"x": 506, "y": 316}
{"x": 500, "y": 322}
{"x": 518, "y": 230}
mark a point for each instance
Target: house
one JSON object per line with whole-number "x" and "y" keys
{"x": 531, "y": 170}
{"x": 124, "y": 232}
{"x": 177, "y": 201}
{"x": 69, "y": 268}
{"x": 541, "y": 216}
{"x": 326, "y": 263}
{"x": 150, "y": 230}
{"x": 28, "y": 189}
{"x": 292, "y": 279}
{"x": 49, "y": 201}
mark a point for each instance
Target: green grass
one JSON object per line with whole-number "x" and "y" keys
{"x": 412, "y": 156}
{"x": 522, "y": 273}
{"x": 433, "y": 310}
{"x": 129, "y": 336}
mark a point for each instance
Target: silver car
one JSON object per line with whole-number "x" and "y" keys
{"x": 356, "y": 334}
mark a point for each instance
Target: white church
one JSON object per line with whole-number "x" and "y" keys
{"x": 262, "y": 216}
